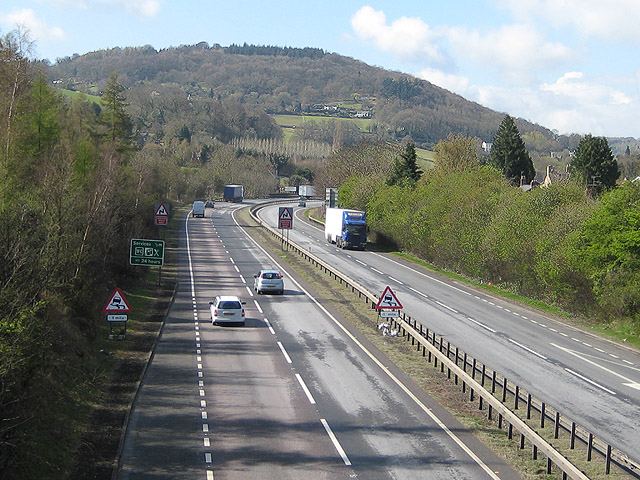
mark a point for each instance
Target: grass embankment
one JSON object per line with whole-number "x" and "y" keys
{"x": 402, "y": 354}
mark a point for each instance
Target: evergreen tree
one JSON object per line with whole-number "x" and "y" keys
{"x": 405, "y": 170}
{"x": 118, "y": 123}
{"x": 594, "y": 164}
{"x": 509, "y": 153}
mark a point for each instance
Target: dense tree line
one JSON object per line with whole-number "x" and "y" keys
{"x": 557, "y": 243}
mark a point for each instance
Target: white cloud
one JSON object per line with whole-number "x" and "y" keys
{"x": 571, "y": 85}
{"x": 454, "y": 83}
{"x": 515, "y": 49}
{"x": 37, "y": 29}
{"x": 612, "y": 19}
{"x": 406, "y": 37}
{"x": 143, "y": 8}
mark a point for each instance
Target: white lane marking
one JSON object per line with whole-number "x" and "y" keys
{"x": 210, "y": 475}
{"x": 482, "y": 325}
{"x": 202, "y": 393}
{"x": 231, "y": 258}
{"x": 207, "y": 458}
{"x": 377, "y": 271}
{"x": 395, "y": 280}
{"x": 203, "y": 403}
{"x": 418, "y": 292}
{"x": 242, "y": 278}
{"x": 590, "y": 381}
{"x": 284, "y": 352}
{"x": 203, "y": 415}
{"x": 273, "y": 332}
{"x": 237, "y": 269}
{"x": 528, "y": 349}
{"x": 335, "y": 441}
{"x": 206, "y": 442}
{"x": 205, "y": 427}
{"x": 249, "y": 290}
{"x": 306, "y": 390}
{"x": 361, "y": 262}
{"x": 446, "y": 306}
{"x": 258, "y": 306}
{"x": 627, "y": 381}
{"x": 395, "y": 379}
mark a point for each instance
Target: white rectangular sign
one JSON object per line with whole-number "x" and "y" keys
{"x": 389, "y": 314}
{"x": 116, "y": 318}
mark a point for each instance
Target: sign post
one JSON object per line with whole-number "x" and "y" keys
{"x": 285, "y": 220}
{"x": 116, "y": 309}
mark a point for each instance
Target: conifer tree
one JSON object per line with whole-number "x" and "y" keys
{"x": 594, "y": 164}
{"x": 509, "y": 154}
{"x": 405, "y": 170}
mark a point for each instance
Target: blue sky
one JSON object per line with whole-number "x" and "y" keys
{"x": 570, "y": 65}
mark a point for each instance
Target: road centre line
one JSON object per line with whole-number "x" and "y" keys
{"x": 528, "y": 349}
{"x": 446, "y": 306}
{"x": 273, "y": 332}
{"x": 384, "y": 369}
{"x": 377, "y": 271}
{"x": 482, "y": 325}
{"x": 284, "y": 352}
{"x": 361, "y": 262}
{"x": 258, "y": 306}
{"x": 335, "y": 441}
{"x": 306, "y": 390}
{"x": 395, "y": 280}
{"x": 419, "y": 292}
{"x": 249, "y": 290}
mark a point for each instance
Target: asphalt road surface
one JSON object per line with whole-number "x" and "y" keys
{"x": 292, "y": 394}
{"x": 593, "y": 381}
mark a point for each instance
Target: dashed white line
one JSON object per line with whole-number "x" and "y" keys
{"x": 377, "y": 271}
{"x": 206, "y": 442}
{"x": 335, "y": 441}
{"x": 249, "y": 291}
{"x": 284, "y": 352}
{"x": 273, "y": 332}
{"x": 528, "y": 349}
{"x": 395, "y": 280}
{"x": 237, "y": 269}
{"x": 242, "y": 278}
{"x": 361, "y": 262}
{"x": 446, "y": 306}
{"x": 305, "y": 389}
{"x": 205, "y": 427}
{"x": 482, "y": 325}
{"x": 418, "y": 292}
{"x": 258, "y": 306}
{"x": 207, "y": 458}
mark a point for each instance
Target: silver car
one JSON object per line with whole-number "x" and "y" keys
{"x": 227, "y": 309}
{"x": 268, "y": 281}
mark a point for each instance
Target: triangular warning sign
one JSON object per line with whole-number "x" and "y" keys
{"x": 388, "y": 300}
{"x": 117, "y": 303}
{"x": 162, "y": 211}
{"x": 285, "y": 214}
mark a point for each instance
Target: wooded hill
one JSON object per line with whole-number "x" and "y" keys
{"x": 288, "y": 80}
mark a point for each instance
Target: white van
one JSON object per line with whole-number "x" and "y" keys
{"x": 198, "y": 209}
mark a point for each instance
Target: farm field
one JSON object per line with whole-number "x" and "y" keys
{"x": 80, "y": 95}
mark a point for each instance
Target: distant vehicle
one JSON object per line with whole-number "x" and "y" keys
{"x": 198, "y": 209}
{"x": 209, "y": 204}
{"x": 346, "y": 228}
{"x": 227, "y": 309}
{"x": 268, "y": 281}
{"x": 306, "y": 191}
{"x": 233, "y": 193}
{"x": 302, "y": 202}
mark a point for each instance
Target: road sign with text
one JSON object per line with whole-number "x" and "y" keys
{"x": 147, "y": 252}
{"x": 285, "y": 218}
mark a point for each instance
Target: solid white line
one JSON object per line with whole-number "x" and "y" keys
{"x": 396, "y": 380}
{"x": 590, "y": 381}
{"x": 258, "y": 306}
{"x": 528, "y": 349}
{"x": 336, "y": 444}
{"x": 306, "y": 390}
{"x": 482, "y": 325}
{"x": 284, "y": 352}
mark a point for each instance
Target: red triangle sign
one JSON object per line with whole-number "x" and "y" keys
{"x": 117, "y": 303}
{"x": 162, "y": 211}
{"x": 388, "y": 300}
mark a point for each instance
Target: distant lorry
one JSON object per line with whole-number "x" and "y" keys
{"x": 233, "y": 193}
{"x": 306, "y": 191}
{"x": 198, "y": 209}
{"x": 346, "y": 228}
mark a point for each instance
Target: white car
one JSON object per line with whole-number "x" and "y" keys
{"x": 227, "y": 309}
{"x": 268, "y": 281}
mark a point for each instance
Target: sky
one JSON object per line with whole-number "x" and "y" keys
{"x": 569, "y": 65}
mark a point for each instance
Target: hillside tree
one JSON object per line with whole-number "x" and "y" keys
{"x": 509, "y": 154}
{"x": 594, "y": 164}
{"x": 405, "y": 169}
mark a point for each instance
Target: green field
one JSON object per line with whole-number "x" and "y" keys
{"x": 79, "y": 95}
{"x": 293, "y": 121}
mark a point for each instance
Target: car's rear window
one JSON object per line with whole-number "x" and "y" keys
{"x": 269, "y": 276}
{"x": 229, "y": 304}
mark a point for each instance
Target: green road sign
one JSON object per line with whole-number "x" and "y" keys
{"x": 147, "y": 252}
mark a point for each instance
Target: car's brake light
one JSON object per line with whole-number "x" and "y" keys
{"x": 215, "y": 312}
{"x": 243, "y": 312}
{"x": 278, "y": 275}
